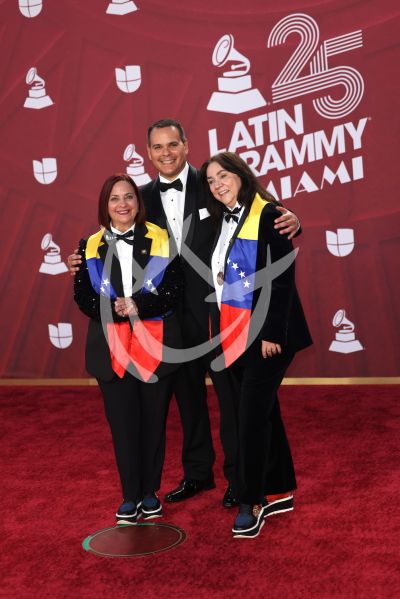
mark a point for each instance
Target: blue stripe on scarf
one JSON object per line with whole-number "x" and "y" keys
{"x": 154, "y": 273}
{"x": 239, "y": 274}
{"x": 102, "y": 286}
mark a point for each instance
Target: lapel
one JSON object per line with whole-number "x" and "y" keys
{"x": 115, "y": 276}
{"x": 141, "y": 255}
{"x": 190, "y": 208}
{"x": 155, "y": 212}
{"x": 217, "y": 236}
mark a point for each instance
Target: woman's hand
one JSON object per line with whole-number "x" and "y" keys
{"x": 125, "y": 306}
{"x": 288, "y": 224}
{"x": 269, "y": 349}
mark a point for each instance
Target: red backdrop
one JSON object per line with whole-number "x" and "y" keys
{"x": 334, "y": 162}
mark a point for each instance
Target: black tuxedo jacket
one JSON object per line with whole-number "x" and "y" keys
{"x": 169, "y": 292}
{"x": 198, "y": 236}
{"x": 283, "y": 319}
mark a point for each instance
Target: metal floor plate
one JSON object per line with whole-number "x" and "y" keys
{"x": 134, "y": 541}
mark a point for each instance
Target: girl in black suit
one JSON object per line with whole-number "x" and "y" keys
{"x": 129, "y": 288}
{"x": 261, "y": 324}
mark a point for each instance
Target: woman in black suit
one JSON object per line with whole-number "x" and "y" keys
{"x": 129, "y": 288}
{"x": 261, "y": 324}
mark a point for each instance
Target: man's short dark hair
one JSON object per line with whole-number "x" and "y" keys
{"x": 166, "y": 123}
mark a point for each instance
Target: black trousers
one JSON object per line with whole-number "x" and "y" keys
{"x": 264, "y": 461}
{"x": 190, "y": 389}
{"x": 137, "y": 413}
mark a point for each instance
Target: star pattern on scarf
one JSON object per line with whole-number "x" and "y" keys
{"x": 235, "y": 266}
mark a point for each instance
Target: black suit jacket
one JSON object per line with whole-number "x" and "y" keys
{"x": 283, "y": 319}
{"x": 98, "y": 361}
{"x": 198, "y": 236}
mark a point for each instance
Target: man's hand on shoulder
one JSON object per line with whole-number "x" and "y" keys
{"x": 287, "y": 224}
{"x": 74, "y": 261}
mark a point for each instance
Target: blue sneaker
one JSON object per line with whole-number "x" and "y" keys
{"x": 248, "y": 522}
{"x": 151, "y": 507}
{"x": 127, "y": 513}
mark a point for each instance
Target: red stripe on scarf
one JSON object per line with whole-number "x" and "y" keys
{"x": 234, "y": 342}
{"x": 142, "y": 345}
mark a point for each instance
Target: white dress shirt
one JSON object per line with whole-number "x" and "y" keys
{"x": 125, "y": 257}
{"x": 219, "y": 254}
{"x": 173, "y": 202}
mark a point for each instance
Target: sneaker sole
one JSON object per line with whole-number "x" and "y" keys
{"x": 150, "y": 513}
{"x": 126, "y": 522}
{"x": 280, "y": 511}
{"x": 253, "y": 529}
{"x": 249, "y": 534}
{"x": 124, "y": 519}
{"x": 152, "y": 516}
{"x": 279, "y": 506}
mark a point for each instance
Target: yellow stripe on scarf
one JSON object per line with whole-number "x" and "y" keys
{"x": 250, "y": 225}
{"x": 93, "y": 243}
{"x": 159, "y": 240}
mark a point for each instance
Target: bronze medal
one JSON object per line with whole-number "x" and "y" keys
{"x": 220, "y": 278}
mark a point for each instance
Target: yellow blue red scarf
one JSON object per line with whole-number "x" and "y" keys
{"x": 238, "y": 287}
{"x": 142, "y": 344}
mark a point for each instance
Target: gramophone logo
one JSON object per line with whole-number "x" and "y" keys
{"x": 121, "y": 7}
{"x": 45, "y": 170}
{"x": 30, "y": 8}
{"x": 52, "y": 263}
{"x": 345, "y": 340}
{"x": 129, "y": 78}
{"x": 60, "y": 334}
{"x": 340, "y": 243}
{"x": 37, "y": 97}
{"x": 135, "y": 168}
{"x": 235, "y": 93}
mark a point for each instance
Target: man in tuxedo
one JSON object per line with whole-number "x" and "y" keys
{"x": 174, "y": 200}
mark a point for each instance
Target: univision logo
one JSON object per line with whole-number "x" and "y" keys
{"x": 128, "y": 78}
{"x": 340, "y": 243}
{"x": 45, "y": 170}
{"x": 60, "y": 334}
{"x": 30, "y": 8}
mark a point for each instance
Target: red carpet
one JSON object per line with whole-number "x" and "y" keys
{"x": 59, "y": 484}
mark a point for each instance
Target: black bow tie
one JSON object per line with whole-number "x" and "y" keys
{"x": 232, "y": 214}
{"x": 125, "y": 237}
{"x": 177, "y": 184}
